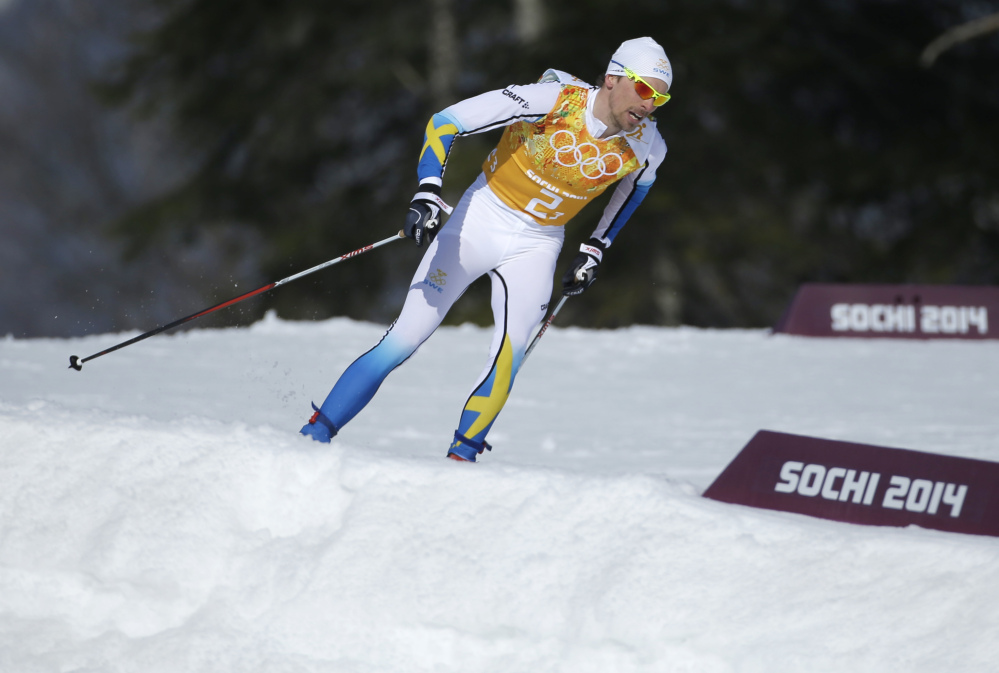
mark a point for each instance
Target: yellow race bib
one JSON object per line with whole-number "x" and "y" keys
{"x": 550, "y": 169}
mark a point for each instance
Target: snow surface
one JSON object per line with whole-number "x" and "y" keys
{"x": 159, "y": 512}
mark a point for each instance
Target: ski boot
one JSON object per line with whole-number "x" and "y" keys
{"x": 319, "y": 427}
{"x": 465, "y": 449}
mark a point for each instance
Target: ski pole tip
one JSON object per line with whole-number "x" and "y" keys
{"x": 74, "y": 363}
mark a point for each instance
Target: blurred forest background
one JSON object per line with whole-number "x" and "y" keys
{"x": 159, "y": 156}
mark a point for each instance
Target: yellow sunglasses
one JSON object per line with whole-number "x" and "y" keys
{"x": 643, "y": 88}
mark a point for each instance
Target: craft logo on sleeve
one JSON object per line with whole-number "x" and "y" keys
{"x": 516, "y": 99}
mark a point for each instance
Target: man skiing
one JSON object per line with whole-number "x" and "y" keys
{"x": 564, "y": 143}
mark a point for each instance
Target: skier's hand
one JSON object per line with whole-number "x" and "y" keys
{"x": 582, "y": 270}
{"x": 423, "y": 220}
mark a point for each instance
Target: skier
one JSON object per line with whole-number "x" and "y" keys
{"x": 564, "y": 143}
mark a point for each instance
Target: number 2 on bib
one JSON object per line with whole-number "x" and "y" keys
{"x": 550, "y": 205}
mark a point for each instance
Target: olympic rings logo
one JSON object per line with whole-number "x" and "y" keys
{"x": 592, "y": 164}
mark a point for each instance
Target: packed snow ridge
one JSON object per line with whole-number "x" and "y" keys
{"x": 159, "y": 511}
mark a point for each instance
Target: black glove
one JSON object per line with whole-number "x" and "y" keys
{"x": 582, "y": 270}
{"x": 423, "y": 220}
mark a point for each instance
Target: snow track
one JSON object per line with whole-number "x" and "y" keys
{"x": 159, "y": 513}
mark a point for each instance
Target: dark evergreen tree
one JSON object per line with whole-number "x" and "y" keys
{"x": 806, "y": 142}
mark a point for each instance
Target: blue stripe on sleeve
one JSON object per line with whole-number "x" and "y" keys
{"x": 634, "y": 199}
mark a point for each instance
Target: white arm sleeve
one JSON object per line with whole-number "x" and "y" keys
{"x": 501, "y": 107}
{"x": 629, "y": 193}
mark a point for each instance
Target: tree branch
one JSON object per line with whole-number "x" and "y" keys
{"x": 958, "y": 34}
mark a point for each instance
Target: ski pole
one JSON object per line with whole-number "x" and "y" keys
{"x": 544, "y": 327}
{"x": 77, "y": 362}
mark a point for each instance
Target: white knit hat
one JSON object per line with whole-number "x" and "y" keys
{"x": 645, "y": 57}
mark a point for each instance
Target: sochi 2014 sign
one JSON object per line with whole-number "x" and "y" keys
{"x": 897, "y": 311}
{"x": 863, "y": 484}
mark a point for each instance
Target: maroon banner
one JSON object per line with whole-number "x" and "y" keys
{"x": 896, "y": 311}
{"x": 863, "y": 484}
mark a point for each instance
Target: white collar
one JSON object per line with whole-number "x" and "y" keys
{"x": 594, "y": 125}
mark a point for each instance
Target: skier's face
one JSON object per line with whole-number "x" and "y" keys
{"x": 627, "y": 108}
